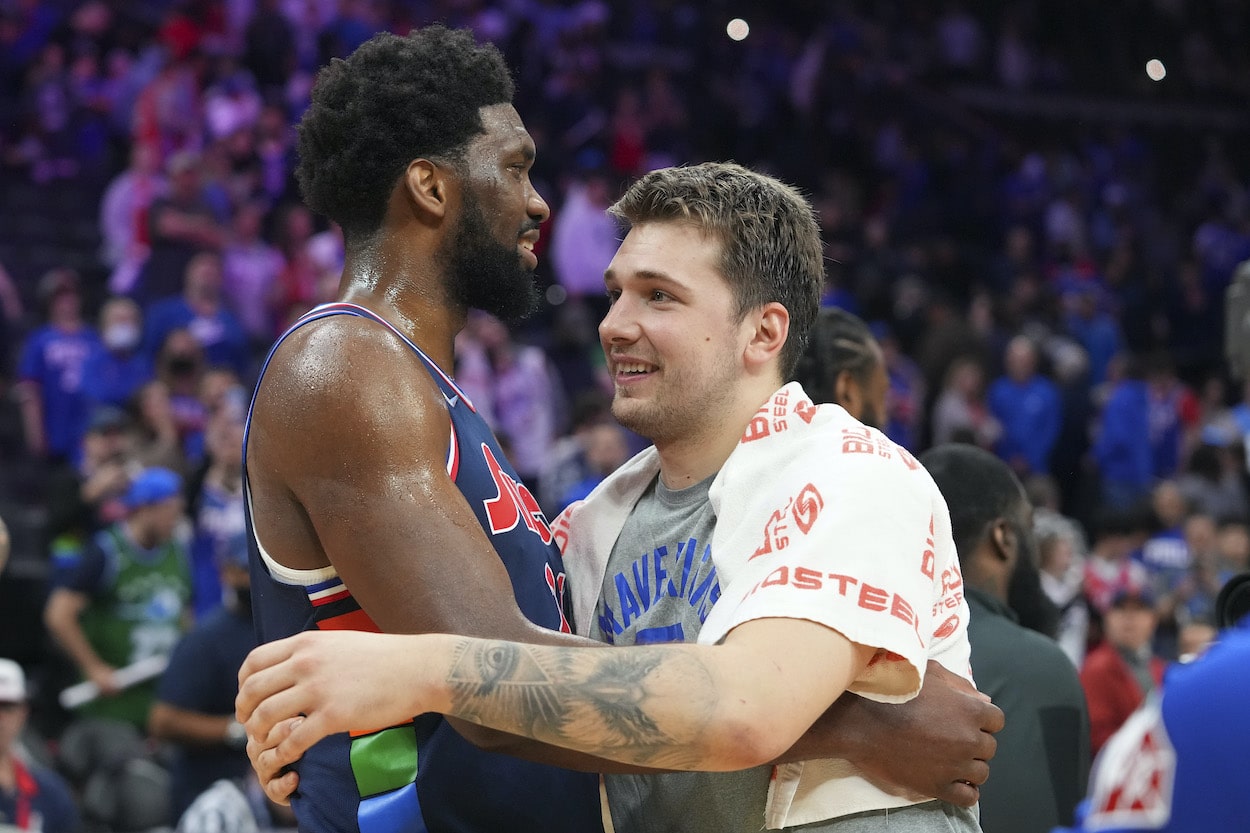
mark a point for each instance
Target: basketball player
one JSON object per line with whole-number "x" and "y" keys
{"x": 843, "y": 364}
{"x": 697, "y": 357}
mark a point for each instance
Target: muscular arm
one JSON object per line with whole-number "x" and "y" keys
{"x": 724, "y": 707}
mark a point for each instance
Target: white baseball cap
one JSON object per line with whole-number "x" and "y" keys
{"x": 12, "y": 682}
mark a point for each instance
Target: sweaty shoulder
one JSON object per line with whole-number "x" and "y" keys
{"x": 346, "y": 412}
{"x": 345, "y": 374}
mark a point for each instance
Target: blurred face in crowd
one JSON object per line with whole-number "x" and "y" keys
{"x": 1021, "y": 360}
{"x": 155, "y": 523}
{"x": 1056, "y": 555}
{"x": 1130, "y": 625}
{"x": 1200, "y": 534}
{"x": 203, "y": 278}
{"x": 1169, "y": 504}
{"x": 12, "y": 719}
{"x": 121, "y": 325}
{"x": 1233, "y": 544}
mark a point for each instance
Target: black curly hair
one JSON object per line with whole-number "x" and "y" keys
{"x": 392, "y": 100}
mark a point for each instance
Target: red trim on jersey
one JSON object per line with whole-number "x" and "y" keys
{"x": 357, "y": 620}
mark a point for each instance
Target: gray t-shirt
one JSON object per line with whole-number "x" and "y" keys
{"x": 659, "y": 586}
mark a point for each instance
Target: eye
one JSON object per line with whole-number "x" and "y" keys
{"x": 613, "y": 295}
{"x": 659, "y": 296}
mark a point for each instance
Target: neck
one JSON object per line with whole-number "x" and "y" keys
{"x": 690, "y": 459}
{"x": 386, "y": 278}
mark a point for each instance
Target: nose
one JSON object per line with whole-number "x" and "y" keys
{"x": 619, "y": 325}
{"x": 537, "y": 207}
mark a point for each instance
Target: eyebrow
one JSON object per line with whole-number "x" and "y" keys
{"x": 646, "y": 275}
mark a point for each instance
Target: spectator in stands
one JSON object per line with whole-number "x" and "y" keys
{"x": 607, "y": 449}
{"x": 32, "y": 797}
{"x": 181, "y": 224}
{"x": 961, "y": 413}
{"x": 1061, "y": 568}
{"x": 1212, "y": 482}
{"x": 1110, "y": 568}
{"x": 1120, "y": 672}
{"x": 201, "y": 310}
{"x": 115, "y": 372}
{"x": 250, "y": 269}
{"x": 1027, "y": 404}
{"x": 1121, "y": 448}
{"x": 125, "y": 599}
{"x": 217, "y": 505}
{"x": 1042, "y": 761}
{"x": 567, "y": 464}
{"x": 905, "y": 409}
{"x": 194, "y": 705}
{"x": 1167, "y": 560}
{"x": 124, "y": 216}
{"x": 585, "y": 237}
{"x": 1173, "y": 412}
{"x": 525, "y": 392}
{"x": 83, "y": 499}
{"x": 51, "y": 371}
{"x": 157, "y": 442}
{"x": 180, "y": 367}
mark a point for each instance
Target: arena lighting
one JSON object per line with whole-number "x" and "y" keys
{"x": 1155, "y": 69}
{"x": 737, "y": 29}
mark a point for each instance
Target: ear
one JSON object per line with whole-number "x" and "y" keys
{"x": 771, "y": 327}
{"x": 1003, "y": 541}
{"x": 427, "y": 187}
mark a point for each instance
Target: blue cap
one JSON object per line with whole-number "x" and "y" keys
{"x": 152, "y": 486}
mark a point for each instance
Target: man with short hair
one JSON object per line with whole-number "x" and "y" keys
{"x": 1043, "y": 751}
{"x": 805, "y": 552}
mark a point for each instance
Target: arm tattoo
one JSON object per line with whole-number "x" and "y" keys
{"x": 613, "y": 703}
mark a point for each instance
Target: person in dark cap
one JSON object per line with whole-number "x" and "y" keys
{"x": 1120, "y": 672}
{"x": 124, "y": 599}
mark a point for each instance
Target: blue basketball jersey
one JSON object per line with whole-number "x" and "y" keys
{"x": 422, "y": 776}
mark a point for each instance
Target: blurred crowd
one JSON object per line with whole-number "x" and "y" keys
{"x": 1040, "y": 237}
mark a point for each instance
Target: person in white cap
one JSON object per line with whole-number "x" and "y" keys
{"x": 31, "y": 797}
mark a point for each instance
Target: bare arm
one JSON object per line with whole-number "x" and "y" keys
{"x": 190, "y": 727}
{"x": 61, "y": 618}
{"x": 725, "y": 707}
{"x": 31, "y": 403}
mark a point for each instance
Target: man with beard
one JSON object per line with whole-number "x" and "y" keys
{"x": 694, "y": 354}
{"x": 1043, "y": 756}
{"x": 378, "y": 498}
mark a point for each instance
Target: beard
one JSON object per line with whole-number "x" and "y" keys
{"x": 486, "y": 274}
